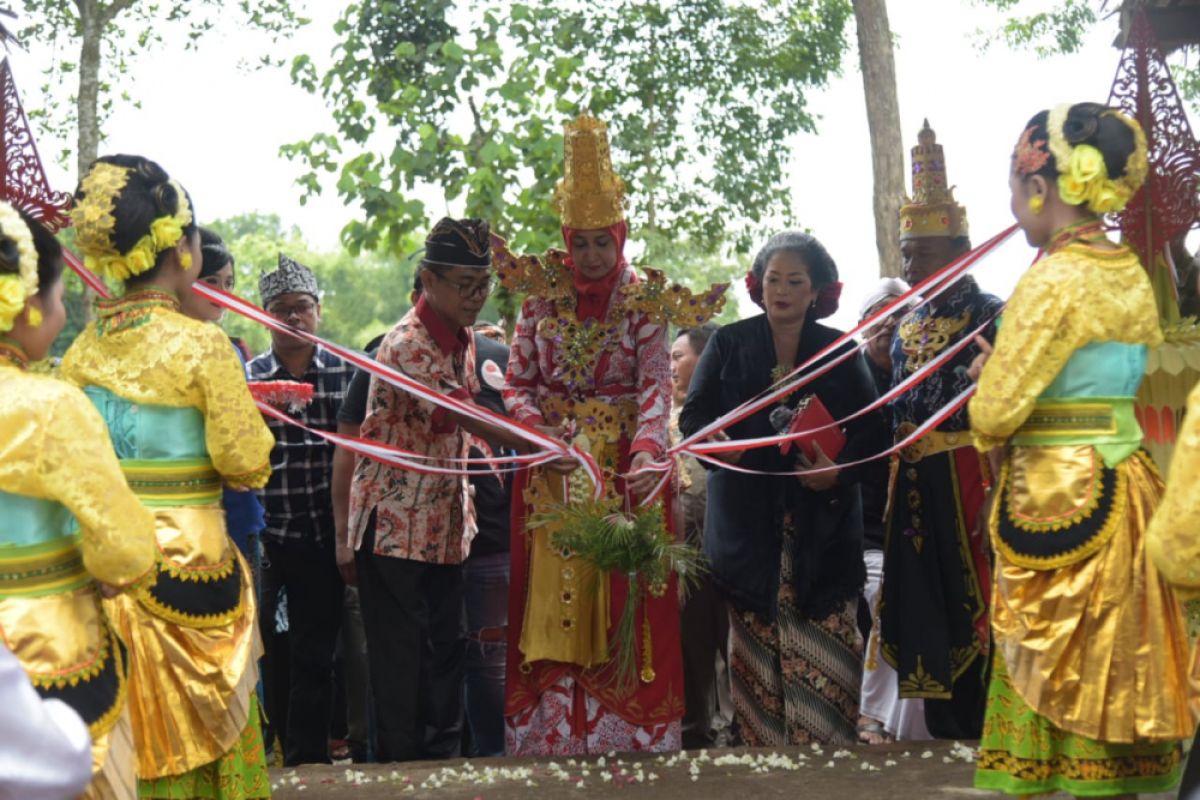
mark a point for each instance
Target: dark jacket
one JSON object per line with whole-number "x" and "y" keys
{"x": 744, "y": 521}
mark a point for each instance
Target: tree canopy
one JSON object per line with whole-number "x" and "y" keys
{"x": 100, "y": 39}
{"x": 1064, "y": 26}
{"x": 701, "y": 98}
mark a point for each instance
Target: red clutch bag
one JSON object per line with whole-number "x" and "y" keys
{"x": 811, "y": 413}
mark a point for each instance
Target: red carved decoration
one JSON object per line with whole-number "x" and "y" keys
{"x": 22, "y": 180}
{"x": 1167, "y": 205}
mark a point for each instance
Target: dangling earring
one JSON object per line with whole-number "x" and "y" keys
{"x": 1037, "y": 203}
{"x": 185, "y": 260}
{"x": 34, "y": 316}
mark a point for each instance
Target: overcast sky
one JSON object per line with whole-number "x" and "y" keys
{"x": 218, "y": 127}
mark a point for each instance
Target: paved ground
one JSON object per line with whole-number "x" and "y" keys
{"x": 886, "y": 772}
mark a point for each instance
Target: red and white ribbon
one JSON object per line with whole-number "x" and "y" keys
{"x": 929, "y": 289}
{"x": 887, "y": 397}
{"x": 89, "y": 278}
{"x": 547, "y": 444}
{"x": 550, "y": 448}
{"x": 943, "y": 414}
{"x": 407, "y": 459}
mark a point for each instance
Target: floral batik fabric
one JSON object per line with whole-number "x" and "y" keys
{"x": 418, "y": 516}
{"x": 1023, "y": 753}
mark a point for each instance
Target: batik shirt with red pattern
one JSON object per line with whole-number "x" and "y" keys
{"x": 635, "y": 364}
{"x": 417, "y": 516}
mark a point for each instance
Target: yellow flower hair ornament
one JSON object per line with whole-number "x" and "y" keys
{"x": 1083, "y": 174}
{"x": 12, "y": 300}
{"x": 15, "y": 289}
{"x": 94, "y": 222}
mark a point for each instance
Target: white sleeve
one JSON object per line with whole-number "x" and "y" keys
{"x": 45, "y": 749}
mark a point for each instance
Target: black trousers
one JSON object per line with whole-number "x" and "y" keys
{"x": 704, "y": 623}
{"x": 308, "y": 573}
{"x": 416, "y": 643}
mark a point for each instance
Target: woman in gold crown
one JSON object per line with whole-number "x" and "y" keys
{"x": 72, "y": 527}
{"x": 1090, "y": 692}
{"x": 589, "y": 358}
{"x": 182, "y": 422}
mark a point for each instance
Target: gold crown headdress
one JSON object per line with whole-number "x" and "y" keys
{"x": 932, "y": 211}
{"x": 94, "y": 224}
{"x": 590, "y": 196}
{"x": 16, "y": 288}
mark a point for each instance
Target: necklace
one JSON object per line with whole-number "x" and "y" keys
{"x": 1086, "y": 231}
{"x": 579, "y": 343}
{"x": 132, "y": 310}
{"x": 12, "y": 355}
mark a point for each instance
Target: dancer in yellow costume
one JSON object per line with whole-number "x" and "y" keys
{"x": 1173, "y": 541}
{"x": 1090, "y": 691}
{"x": 71, "y": 525}
{"x": 183, "y": 423}
{"x": 1174, "y": 536}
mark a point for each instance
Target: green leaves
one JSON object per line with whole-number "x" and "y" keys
{"x": 1061, "y": 30}
{"x": 1050, "y": 32}
{"x": 109, "y": 34}
{"x": 701, "y": 97}
{"x": 635, "y": 544}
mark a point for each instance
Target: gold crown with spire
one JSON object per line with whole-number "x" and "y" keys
{"x": 932, "y": 211}
{"x": 589, "y": 196}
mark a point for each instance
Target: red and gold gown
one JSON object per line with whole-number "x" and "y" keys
{"x": 590, "y": 356}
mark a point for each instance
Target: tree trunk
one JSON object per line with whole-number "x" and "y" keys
{"x": 91, "y": 27}
{"x": 883, "y": 119}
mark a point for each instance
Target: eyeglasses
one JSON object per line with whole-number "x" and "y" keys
{"x": 301, "y": 309}
{"x": 472, "y": 289}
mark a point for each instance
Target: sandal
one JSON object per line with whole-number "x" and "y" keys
{"x": 872, "y": 732}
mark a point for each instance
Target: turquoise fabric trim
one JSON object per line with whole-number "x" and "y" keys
{"x": 32, "y": 520}
{"x": 1100, "y": 369}
{"x": 143, "y": 431}
{"x": 1107, "y": 372}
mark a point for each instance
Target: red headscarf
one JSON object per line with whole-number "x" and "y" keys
{"x": 593, "y": 295}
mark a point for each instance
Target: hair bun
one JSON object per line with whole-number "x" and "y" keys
{"x": 10, "y": 257}
{"x": 166, "y": 199}
{"x": 1082, "y": 123}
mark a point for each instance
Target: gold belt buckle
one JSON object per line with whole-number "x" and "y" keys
{"x": 915, "y": 451}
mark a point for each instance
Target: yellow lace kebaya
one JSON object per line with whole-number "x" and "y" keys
{"x": 1091, "y": 637}
{"x": 1079, "y": 293}
{"x": 142, "y": 349}
{"x": 70, "y": 521}
{"x": 182, "y": 421}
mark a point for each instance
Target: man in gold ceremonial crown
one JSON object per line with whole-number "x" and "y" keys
{"x": 933, "y": 612}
